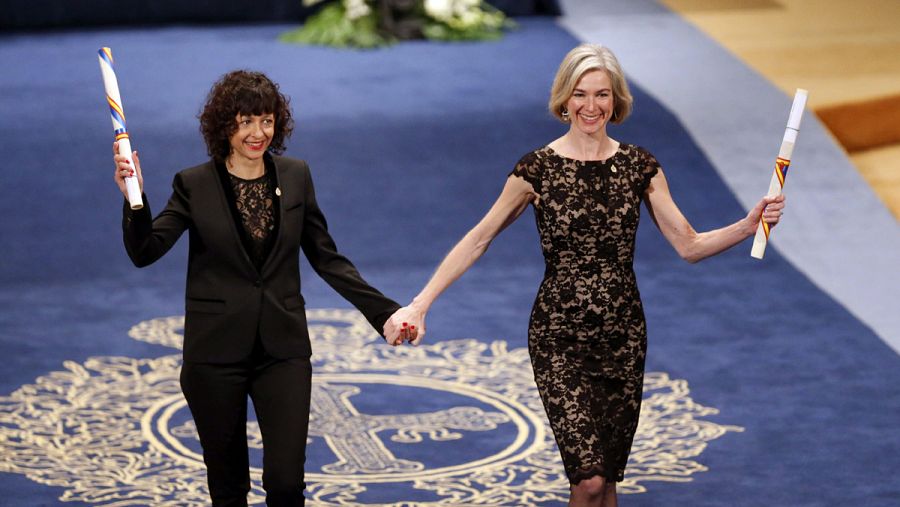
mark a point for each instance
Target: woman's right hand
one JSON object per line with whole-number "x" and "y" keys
{"x": 124, "y": 169}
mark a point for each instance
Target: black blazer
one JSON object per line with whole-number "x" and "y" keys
{"x": 227, "y": 299}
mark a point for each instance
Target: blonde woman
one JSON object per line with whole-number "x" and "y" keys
{"x": 587, "y": 335}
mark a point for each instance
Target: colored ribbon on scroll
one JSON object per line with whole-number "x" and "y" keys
{"x": 782, "y": 163}
{"x": 118, "y": 121}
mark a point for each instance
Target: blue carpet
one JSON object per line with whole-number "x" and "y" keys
{"x": 409, "y": 146}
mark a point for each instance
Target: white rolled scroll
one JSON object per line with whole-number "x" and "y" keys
{"x": 782, "y": 163}
{"x": 118, "y": 121}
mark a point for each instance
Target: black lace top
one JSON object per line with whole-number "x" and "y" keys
{"x": 254, "y": 200}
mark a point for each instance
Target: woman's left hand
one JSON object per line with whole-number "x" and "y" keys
{"x": 769, "y": 209}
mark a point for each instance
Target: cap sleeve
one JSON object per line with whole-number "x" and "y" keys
{"x": 530, "y": 169}
{"x": 648, "y": 167}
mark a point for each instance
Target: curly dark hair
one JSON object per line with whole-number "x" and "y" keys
{"x": 243, "y": 92}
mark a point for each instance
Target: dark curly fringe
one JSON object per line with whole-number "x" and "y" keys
{"x": 243, "y": 92}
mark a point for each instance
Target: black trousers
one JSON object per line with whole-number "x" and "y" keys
{"x": 217, "y": 397}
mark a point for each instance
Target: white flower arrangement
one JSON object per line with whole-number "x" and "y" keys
{"x": 371, "y": 23}
{"x": 356, "y": 9}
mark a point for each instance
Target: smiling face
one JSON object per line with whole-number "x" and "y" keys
{"x": 253, "y": 136}
{"x": 591, "y": 104}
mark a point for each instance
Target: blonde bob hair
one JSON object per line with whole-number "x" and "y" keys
{"x": 581, "y": 60}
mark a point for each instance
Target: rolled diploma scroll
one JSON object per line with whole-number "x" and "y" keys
{"x": 118, "y": 120}
{"x": 782, "y": 163}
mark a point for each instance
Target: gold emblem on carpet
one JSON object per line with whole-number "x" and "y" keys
{"x": 456, "y": 422}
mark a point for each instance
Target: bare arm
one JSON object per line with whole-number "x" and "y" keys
{"x": 515, "y": 197}
{"x": 695, "y": 246}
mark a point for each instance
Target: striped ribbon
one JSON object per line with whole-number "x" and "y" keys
{"x": 115, "y": 109}
{"x": 781, "y": 169}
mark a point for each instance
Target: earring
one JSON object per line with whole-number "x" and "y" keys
{"x": 565, "y": 114}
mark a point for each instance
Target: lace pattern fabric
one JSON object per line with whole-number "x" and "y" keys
{"x": 254, "y": 200}
{"x": 587, "y": 336}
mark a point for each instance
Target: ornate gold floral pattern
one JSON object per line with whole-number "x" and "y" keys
{"x": 106, "y": 431}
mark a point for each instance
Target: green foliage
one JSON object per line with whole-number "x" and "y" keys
{"x": 332, "y": 27}
{"x": 329, "y": 27}
{"x": 490, "y": 25}
{"x": 437, "y": 30}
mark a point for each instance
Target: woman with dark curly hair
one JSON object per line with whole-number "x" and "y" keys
{"x": 248, "y": 212}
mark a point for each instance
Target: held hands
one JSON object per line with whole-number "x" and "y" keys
{"x": 406, "y": 324}
{"x": 124, "y": 169}
{"x": 769, "y": 209}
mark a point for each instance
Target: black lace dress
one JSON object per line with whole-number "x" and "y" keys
{"x": 587, "y": 336}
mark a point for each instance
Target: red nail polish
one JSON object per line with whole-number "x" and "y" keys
{"x": 412, "y": 327}
{"x": 405, "y": 324}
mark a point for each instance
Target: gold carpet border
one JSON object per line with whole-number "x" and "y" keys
{"x": 90, "y": 428}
